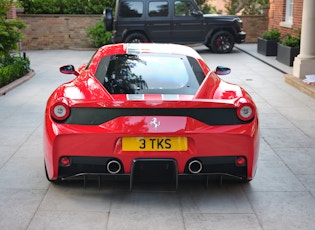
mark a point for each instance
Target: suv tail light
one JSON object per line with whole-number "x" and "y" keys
{"x": 60, "y": 111}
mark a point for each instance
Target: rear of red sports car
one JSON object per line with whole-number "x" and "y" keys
{"x": 149, "y": 106}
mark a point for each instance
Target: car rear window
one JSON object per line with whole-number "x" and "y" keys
{"x": 149, "y": 74}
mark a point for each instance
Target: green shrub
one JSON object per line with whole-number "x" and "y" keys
{"x": 271, "y": 34}
{"x": 98, "y": 35}
{"x": 65, "y": 6}
{"x": 292, "y": 41}
{"x": 12, "y": 68}
{"x": 9, "y": 29}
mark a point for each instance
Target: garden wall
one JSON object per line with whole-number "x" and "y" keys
{"x": 254, "y": 26}
{"x": 57, "y": 31}
{"x": 69, "y": 31}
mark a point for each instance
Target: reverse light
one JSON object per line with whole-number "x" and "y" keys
{"x": 60, "y": 111}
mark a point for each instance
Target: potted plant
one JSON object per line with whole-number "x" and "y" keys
{"x": 267, "y": 43}
{"x": 288, "y": 49}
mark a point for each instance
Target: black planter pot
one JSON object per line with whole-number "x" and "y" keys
{"x": 267, "y": 47}
{"x": 287, "y": 54}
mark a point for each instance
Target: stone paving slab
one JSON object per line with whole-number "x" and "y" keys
{"x": 281, "y": 196}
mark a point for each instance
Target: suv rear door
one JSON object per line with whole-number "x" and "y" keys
{"x": 187, "y": 22}
{"x": 158, "y": 20}
{"x": 129, "y": 16}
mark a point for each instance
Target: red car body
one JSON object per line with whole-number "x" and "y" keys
{"x": 90, "y": 131}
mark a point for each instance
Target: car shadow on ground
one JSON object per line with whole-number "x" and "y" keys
{"x": 202, "y": 49}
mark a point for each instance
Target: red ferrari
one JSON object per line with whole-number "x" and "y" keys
{"x": 153, "y": 109}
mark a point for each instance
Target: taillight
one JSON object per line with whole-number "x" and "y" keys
{"x": 245, "y": 111}
{"x": 65, "y": 161}
{"x": 240, "y": 161}
{"x": 60, "y": 111}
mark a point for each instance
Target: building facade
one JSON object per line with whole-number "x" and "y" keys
{"x": 286, "y": 15}
{"x": 297, "y": 17}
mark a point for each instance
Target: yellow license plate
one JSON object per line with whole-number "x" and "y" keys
{"x": 154, "y": 144}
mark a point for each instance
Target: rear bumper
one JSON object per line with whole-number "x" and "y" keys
{"x": 81, "y": 166}
{"x": 91, "y": 148}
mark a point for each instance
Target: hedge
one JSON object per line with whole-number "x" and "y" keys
{"x": 13, "y": 68}
{"x": 65, "y": 6}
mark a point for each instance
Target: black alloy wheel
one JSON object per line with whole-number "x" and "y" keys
{"x": 222, "y": 42}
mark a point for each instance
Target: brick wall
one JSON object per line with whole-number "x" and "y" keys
{"x": 69, "y": 31}
{"x": 254, "y": 26}
{"x": 277, "y": 15}
{"x": 11, "y": 13}
{"x": 57, "y": 31}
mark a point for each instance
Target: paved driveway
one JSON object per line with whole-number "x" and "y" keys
{"x": 280, "y": 197}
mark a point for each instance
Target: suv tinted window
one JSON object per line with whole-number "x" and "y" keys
{"x": 158, "y": 9}
{"x": 183, "y": 8}
{"x": 131, "y": 9}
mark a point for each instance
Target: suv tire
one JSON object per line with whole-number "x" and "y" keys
{"x": 136, "y": 38}
{"x": 222, "y": 42}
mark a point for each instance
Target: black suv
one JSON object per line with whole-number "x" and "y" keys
{"x": 172, "y": 21}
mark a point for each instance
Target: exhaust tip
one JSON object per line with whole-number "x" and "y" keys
{"x": 113, "y": 167}
{"x": 195, "y": 166}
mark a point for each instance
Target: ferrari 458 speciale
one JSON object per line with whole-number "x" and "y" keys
{"x": 149, "y": 108}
